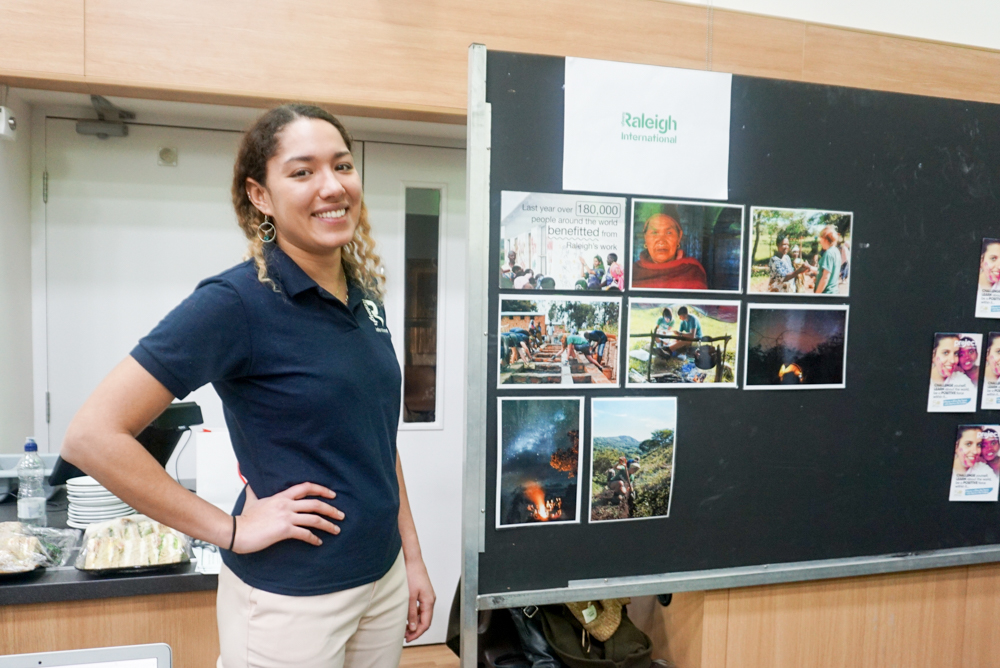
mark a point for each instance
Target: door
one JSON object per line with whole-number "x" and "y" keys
{"x": 416, "y": 201}
{"x": 128, "y": 235}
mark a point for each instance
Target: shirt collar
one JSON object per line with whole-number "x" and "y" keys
{"x": 294, "y": 281}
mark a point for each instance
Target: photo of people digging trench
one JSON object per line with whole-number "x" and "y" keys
{"x": 559, "y": 342}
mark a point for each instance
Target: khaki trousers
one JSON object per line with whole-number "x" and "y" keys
{"x": 361, "y": 627}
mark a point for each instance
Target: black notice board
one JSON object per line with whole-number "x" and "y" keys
{"x": 773, "y": 477}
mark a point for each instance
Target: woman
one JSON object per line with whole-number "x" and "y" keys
{"x": 966, "y": 450}
{"x": 968, "y": 358}
{"x": 782, "y": 273}
{"x": 992, "y": 366}
{"x": 828, "y": 270}
{"x": 295, "y": 343}
{"x": 989, "y": 265}
{"x": 803, "y": 281}
{"x": 944, "y": 362}
{"x": 989, "y": 450}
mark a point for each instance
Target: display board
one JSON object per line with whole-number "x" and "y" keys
{"x": 835, "y": 453}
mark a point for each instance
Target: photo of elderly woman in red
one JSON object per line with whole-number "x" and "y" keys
{"x": 686, "y": 246}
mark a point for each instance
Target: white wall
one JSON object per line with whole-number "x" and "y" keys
{"x": 16, "y": 415}
{"x": 971, "y": 22}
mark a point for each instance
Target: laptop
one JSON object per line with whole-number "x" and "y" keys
{"x": 133, "y": 656}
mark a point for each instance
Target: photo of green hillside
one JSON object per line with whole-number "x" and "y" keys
{"x": 632, "y": 457}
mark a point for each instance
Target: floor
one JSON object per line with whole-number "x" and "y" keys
{"x": 428, "y": 656}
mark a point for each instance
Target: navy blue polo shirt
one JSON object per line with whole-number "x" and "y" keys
{"x": 311, "y": 392}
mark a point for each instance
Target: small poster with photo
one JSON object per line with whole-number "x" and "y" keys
{"x": 686, "y": 246}
{"x": 802, "y": 347}
{"x": 632, "y": 443}
{"x": 684, "y": 344}
{"x": 559, "y": 342}
{"x": 988, "y": 287}
{"x": 538, "y": 461}
{"x": 990, "y": 370}
{"x": 975, "y": 470}
{"x": 954, "y": 373}
{"x": 800, "y": 252}
{"x": 551, "y": 241}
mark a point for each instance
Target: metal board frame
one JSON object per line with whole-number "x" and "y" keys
{"x": 474, "y": 483}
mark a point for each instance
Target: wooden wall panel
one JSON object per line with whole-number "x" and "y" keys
{"x": 185, "y": 621}
{"x": 404, "y": 59}
{"x": 42, "y": 37}
{"x": 980, "y": 640}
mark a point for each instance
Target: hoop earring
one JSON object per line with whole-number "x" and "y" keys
{"x": 266, "y": 231}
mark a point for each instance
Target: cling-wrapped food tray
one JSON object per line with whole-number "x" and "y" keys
{"x": 132, "y": 544}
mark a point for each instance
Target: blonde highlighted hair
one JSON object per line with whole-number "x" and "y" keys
{"x": 362, "y": 265}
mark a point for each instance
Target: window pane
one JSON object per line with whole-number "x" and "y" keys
{"x": 423, "y": 210}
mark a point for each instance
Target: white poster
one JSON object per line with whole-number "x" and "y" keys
{"x": 561, "y": 242}
{"x": 976, "y": 465}
{"x": 646, "y": 130}
{"x": 954, "y": 372}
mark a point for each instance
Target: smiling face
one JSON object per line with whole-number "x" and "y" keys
{"x": 968, "y": 357}
{"x": 990, "y": 445}
{"x": 662, "y": 237}
{"x": 313, "y": 192}
{"x": 783, "y": 246}
{"x": 993, "y": 358}
{"x": 945, "y": 358}
{"x": 989, "y": 266}
{"x": 966, "y": 450}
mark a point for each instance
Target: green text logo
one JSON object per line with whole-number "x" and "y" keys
{"x": 661, "y": 124}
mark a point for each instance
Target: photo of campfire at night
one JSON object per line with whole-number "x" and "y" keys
{"x": 539, "y": 461}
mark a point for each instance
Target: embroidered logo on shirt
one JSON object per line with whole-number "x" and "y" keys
{"x": 373, "y": 315}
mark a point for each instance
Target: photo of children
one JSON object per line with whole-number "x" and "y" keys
{"x": 975, "y": 469}
{"x": 689, "y": 344}
{"x": 544, "y": 343}
{"x": 990, "y": 370}
{"x": 552, "y": 241}
{"x": 688, "y": 246}
{"x": 954, "y": 373}
{"x": 538, "y": 461}
{"x": 801, "y": 347}
{"x": 631, "y": 457}
{"x": 988, "y": 287}
{"x": 798, "y": 252}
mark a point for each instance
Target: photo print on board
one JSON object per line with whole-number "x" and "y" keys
{"x": 988, "y": 287}
{"x": 557, "y": 342}
{"x": 990, "y": 371}
{"x": 802, "y": 347}
{"x": 632, "y": 443}
{"x": 954, "y": 372}
{"x": 976, "y": 465}
{"x": 538, "y": 461}
{"x": 799, "y": 252}
{"x": 682, "y": 343}
{"x": 686, "y": 246}
{"x": 561, "y": 242}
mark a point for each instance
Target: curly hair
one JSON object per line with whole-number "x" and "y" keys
{"x": 362, "y": 265}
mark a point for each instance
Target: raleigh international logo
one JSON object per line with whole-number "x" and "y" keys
{"x": 659, "y": 126}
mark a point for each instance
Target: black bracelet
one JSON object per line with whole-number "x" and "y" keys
{"x": 232, "y": 541}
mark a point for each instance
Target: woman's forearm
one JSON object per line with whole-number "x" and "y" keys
{"x": 100, "y": 441}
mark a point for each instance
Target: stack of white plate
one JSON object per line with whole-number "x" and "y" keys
{"x": 90, "y": 502}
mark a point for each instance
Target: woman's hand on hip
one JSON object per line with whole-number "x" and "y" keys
{"x": 418, "y": 618}
{"x": 285, "y": 515}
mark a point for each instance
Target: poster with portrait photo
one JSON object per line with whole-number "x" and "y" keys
{"x": 538, "y": 461}
{"x": 552, "y": 241}
{"x": 686, "y": 246}
{"x": 632, "y": 443}
{"x": 954, "y": 372}
{"x": 989, "y": 368}
{"x": 988, "y": 284}
{"x": 801, "y": 347}
{"x": 683, "y": 344}
{"x": 559, "y": 342}
{"x": 800, "y": 252}
{"x": 975, "y": 469}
